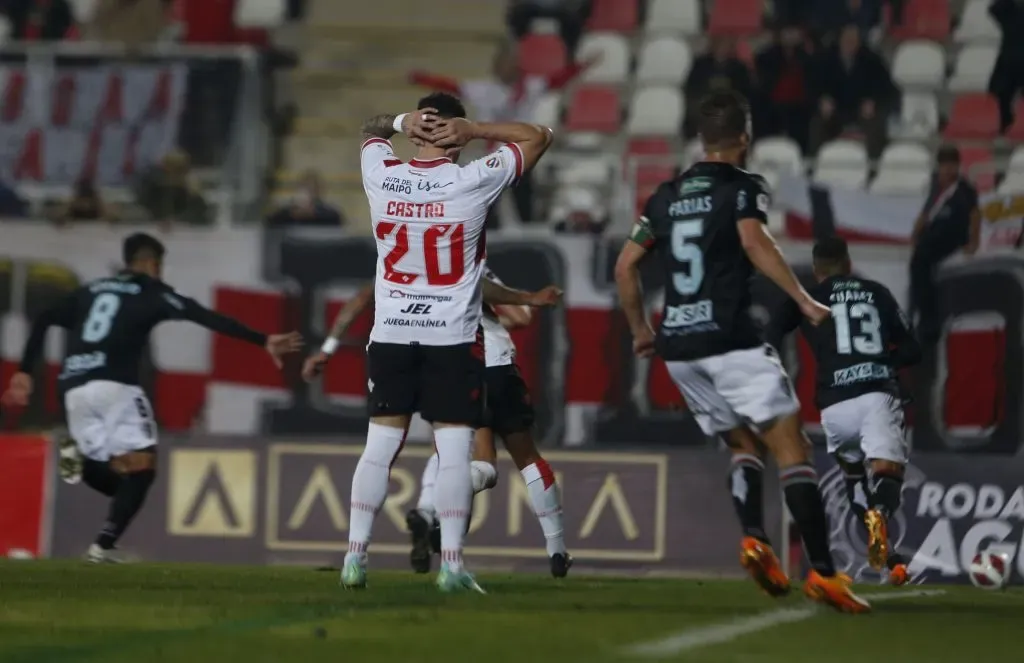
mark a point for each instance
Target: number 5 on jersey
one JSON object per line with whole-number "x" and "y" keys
{"x": 687, "y": 253}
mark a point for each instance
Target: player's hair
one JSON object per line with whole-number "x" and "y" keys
{"x": 446, "y": 105}
{"x": 722, "y": 118}
{"x": 831, "y": 254}
{"x": 140, "y": 246}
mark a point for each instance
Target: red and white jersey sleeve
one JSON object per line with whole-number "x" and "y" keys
{"x": 375, "y": 155}
{"x": 499, "y": 349}
{"x": 497, "y": 171}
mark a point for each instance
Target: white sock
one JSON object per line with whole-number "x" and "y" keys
{"x": 370, "y": 485}
{"x": 547, "y": 503}
{"x": 484, "y": 475}
{"x": 426, "y": 503}
{"x": 453, "y": 491}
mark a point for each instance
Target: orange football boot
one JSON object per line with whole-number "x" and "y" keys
{"x": 834, "y": 592}
{"x": 878, "y": 539}
{"x": 758, "y": 558}
{"x": 899, "y": 575}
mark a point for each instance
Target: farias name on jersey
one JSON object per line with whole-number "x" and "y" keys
{"x": 866, "y": 372}
{"x": 688, "y": 206}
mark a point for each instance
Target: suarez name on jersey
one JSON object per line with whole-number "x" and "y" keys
{"x": 428, "y": 220}
{"x": 693, "y": 223}
{"x": 860, "y": 348}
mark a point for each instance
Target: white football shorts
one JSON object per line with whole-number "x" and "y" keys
{"x": 869, "y": 426}
{"x": 108, "y": 419}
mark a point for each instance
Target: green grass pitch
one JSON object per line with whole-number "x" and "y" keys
{"x": 63, "y": 612}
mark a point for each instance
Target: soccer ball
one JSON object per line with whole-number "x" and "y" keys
{"x": 990, "y": 570}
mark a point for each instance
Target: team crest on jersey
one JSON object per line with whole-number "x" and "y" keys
{"x": 741, "y": 201}
{"x": 762, "y": 202}
{"x": 493, "y": 162}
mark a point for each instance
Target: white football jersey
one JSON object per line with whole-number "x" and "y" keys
{"x": 428, "y": 219}
{"x": 499, "y": 350}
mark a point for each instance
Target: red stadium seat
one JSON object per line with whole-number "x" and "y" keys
{"x": 594, "y": 108}
{"x": 735, "y": 18}
{"x": 656, "y": 170}
{"x": 614, "y": 16}
{"x": 1016, "y": 130}
{"x": 977, "y": 165}
{"x": 542, "y": 55}
{"x": 922, "y": 19}
{"x": 648, "y": 146}
{"x": 973, "y": 117}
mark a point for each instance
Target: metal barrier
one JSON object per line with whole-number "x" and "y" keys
{"x": 71, "y": 111}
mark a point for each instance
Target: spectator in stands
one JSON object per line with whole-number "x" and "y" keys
{"x": 949, "y": 221}
{"x": 1008, "y": 74}
{"x": 509, "y": 95}
{"x": 85, "y": 204}
{"x": 784, "y": 77}
{"x": 571, "y": 15}
{"x": 168, "y": 193}
{"x": 853, "y": 89}
{"x": 831, "y": 16}
{"x": 307, "y": 208}
{"x": 719, "y": 68}
{"x": 129, "y": 22}
{"x": 39, "y": 20}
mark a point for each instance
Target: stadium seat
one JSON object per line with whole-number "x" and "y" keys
{"x": 649, "y": 161}
{"x": 84, "y": 10}
{"x": 594, "y": 108}
{"x": 1014, "y": 180}
{"x": 904, "y": 168}
{"x": 1015, "y": 131}
{"x": 260, "y": 13}
{"x": 679, "y": 16}
{"x": 5, "y": 30}
{"x": 612, "y": 54}
{"x": 548, "y": 111}
{"x": 544, "y": 26}
{"x": 842, "y": 163}
{"x": 648, "y": 146}
{"x": 775, "y": 156}
{"x": 664, "y": 60}
{"x": 919, "y": 116}
{"x": 922, "y": 19}
{"x": 614, "y": 16}
{"x": 976, "y": 24}
{"x": 919, "y": 64}
{"x": 735, "y": 18}
{"x": 973, "y": 68}
{"x": 542, "y": 55}
{"x": 901, "y": 182}
{"x": 905, "y": 156}
{"x": 973, "y": 117}
{"x": 692, "y": 153}
{"x": 587, "y": 171}
{"x": 656, "y": 111}
{"x": 569, "y": 200}
{"x": 977, "y": 165}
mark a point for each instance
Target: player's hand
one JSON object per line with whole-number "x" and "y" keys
{"x": 452, "y": 133}
{"x": 643, "y": 342}
{"x": 314, "y": 366}
{"x": 19, "y": 390}
{"x": 279, "y": 345}
{"x": 815, "y": 312}
{"x": 419, "y": 125}
{"x": 549, "y": 296}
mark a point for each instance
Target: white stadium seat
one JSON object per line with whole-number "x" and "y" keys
{"x": 973, "y": 68}
{"x": 83, "y": 10}
{"x": 593, "y": 171}
{"x": 919, "y": 116}
{"x": 613, "y": 51}
{"x": 655, "y": 111}
{"x": 976, "y": 24}
{"x": 919, "y": 64}
{"x": 680, "y": 16}
{"x": 773, "y": 157}
{"x": 842, "y": 163}
{"x": 903, "y": 181}
{"x": 664, "y": 60}
{"x": 548, "y": 111}
{"x": 570, "y": 199}
{"x": 692, "y": 153}
{"x": 1014, "y": 180}
{"x": 260, "y": 13}
{"x": 905, "y": 156}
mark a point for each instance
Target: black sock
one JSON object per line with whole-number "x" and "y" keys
{"x": 100, "y": 477}
{"x": 128, "y": 499}
{"x": 885, "y": 493}
{"x": 746, "y": 485}
{"x": 856, "y": 507}
{"x": 800, "y": 483}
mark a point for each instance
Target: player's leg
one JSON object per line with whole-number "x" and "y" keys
{"x": 841, "y": 423}
{"x": 716, "y": 417}
{"x": 451, "y": 387}
{"x": 755, "y": 384}
{"x": 131, "y": 445}
{"x": 885, "y": 444}
{"x": 392, "y": 371}
{"x": 513, "y": 417}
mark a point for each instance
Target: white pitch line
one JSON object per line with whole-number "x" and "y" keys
{"x": 705, "y": 636}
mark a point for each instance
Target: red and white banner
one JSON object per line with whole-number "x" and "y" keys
{"x": 26, "y": 495}
{"x": 106, "y": 121}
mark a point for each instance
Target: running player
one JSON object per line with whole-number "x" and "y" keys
{"x": 424, "y": 353}
{"x": 510, "y": 414}
{"x": 108, "y": 414}
{"x": 859, "y": 351}
{"x": 709, "y": 226}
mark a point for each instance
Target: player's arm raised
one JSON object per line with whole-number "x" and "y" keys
{"x": 185, "y": 308}
{"x": 61, "y": 314}
{"x": 627, "y": 280}
{"x": 752, "y": 204}
{"x": 514, "y": 306}
{"x": 530, "y": 140}
{"x": 346, "y": 316}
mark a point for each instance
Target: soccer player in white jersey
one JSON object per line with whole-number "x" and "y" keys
{"x": 509, "y": 414}
{"x": 425, "y": 353}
